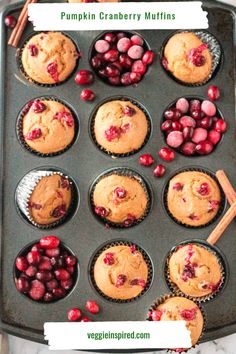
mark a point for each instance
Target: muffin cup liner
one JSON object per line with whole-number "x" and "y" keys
{"x": 26, "y": 187}
{"x": 120, "y": 98}
{"x": 214, "y": 48}
{"x": 175, "y": 289}
{"x": 161, "y": 300}
{"x": 209, "y": 173}
{"x": 19, "y": 127}
{"x": 123, "y": 171}
{"x": 122, "y": 243}
{"x": 27, "y": 77}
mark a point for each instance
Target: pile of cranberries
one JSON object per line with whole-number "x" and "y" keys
{"x": 121, "y": 59}
{"x": 193, "y": 126}
{"x": 47, "y": 271}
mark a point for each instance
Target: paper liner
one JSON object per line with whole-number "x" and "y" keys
{"x": 161, "y": 300}
{"x": 122, "y": 243}
{"x": 214, "y": 48}
{"x": 209, "y": 173}
{"x": 120, "y": 98}
{"x": 175, "y": 289}
{"x": 19, "y": 126}
{"x": 27, "y": 77}
{"x": 25, "y": 188}
{"x": 122, "y": 171}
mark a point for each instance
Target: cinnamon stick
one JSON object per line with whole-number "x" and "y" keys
{"x": 228, "y": 189}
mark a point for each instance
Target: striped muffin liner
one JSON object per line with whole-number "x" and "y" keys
{"x": 122, "y": 171}
{"x": 120, "y": 98}
{"x": 222, "y": 263}
{"x": 19, "y": 126}
{"x": 27, "y": 185}
{"x": 160, "y": 301}
{"x": 27, "y": 77}
{"x": 23, "y": 252}
{"x": 197, "y": 169}
{"x": 213, "y": 46}
{"x": 121, "y": 243}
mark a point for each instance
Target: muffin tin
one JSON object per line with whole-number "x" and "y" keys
{"x": 83, "y": 234}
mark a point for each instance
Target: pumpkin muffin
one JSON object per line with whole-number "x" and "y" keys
{"x": 120, "y": 199}
{"x": 50, "y": 199}
{"x": 48, "y": 126}
{"x": 120, "y": 127}
{"x": 195, "y": 270}
{"x": 188, "y": 58}
{"x": 121, "y": 272}
{"x": 193, "y": 198}
{"x": 178, "y": 309}
{"x": 49, "y": 58}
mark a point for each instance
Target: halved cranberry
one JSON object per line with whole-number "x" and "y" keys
{"x": 33, "y": 257}
{"x": 102, "y": 46}
{"x": 131, "y": 219}
{"x": 213, "y": 92}
{"x": 119, "y": 192}
{"x": 125, "y": 61}
{"x": 37, "y": 290}
{"x": 220, "y": 125}
{"x": 22, "y": 285}
{"x": 109, "y": 258}
{"x": 204, "y": 189}
{"x": 129, "y": 111}
{"x": 112, "y": 133}
{"x": 159, "y": 170}
{"x": 84, "y": 77}
{"x": 52, "y": 69}
{"x": 146, "y": 160}
{"x": 166, "y": 154}
{"x": 101, "y": 211}
{"x": 49, "y": 242}
{"x": 204, "y": 147}
{"x": 33, "y": 49}
{"x": 34, "y": 134}
{"x": 148, "y": 57}
{"x": 21, "y": 264}
{"x": 189, "y": 315}
{"x": 74, "y": 314}
{"x": 59, "y": 211}
{"x": 139, "y": 67}
{"x": 10, "y": 21}
{"x": 178, "y": 186}
{"x": 121, "y": 279}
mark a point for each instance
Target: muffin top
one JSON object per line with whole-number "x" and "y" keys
{"x": 49, "y": 58}
{"x": 120, "y": 127}
{"x": 48, "y": 126}
{"x": 50, "y": 199}
{"x": 179, "y": 308}
{"x": 121, "y": 272}
{"x": 120, "y": 199}
{"x": 193, "y": 198}
{"x": 188, "y": 58}
{"x": 195, "y": 270}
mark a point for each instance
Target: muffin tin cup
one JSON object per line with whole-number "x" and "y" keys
{"x": 121, "y": 243}
{"x": 27, "y": 77}
{"x": 197, "y": 169}
{"x": 120, "y": 98}
{"x": 122, "y": 171}
{"x": 25, "y": 188}
{"x": 222, "y": 263}
{"x": 161, "y": 300}
{"x": 19, "y": 126}
{"x": 214, "y": 48}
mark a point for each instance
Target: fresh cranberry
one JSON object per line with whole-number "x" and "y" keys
{"x": 166, "y": 125}
{"x": 118, "y": 65}
{"x": 62, "y": 274}
{"x": 199, "y": 135}
{"x": 206, "y": 122}
{"x": 114, "y": 80}
{"x": 166, "y": 154}
{"x": 102, "y": 46}
{"x": 135, "y": 52}
{"x": 48, "y": 297}
{"x": 85, "y": 319}
{"x": 110, "y": 37}
{"x": 34, "y": 134}
{"x": 49, "y": 242}
{"x": 139, "y": 67}
{"x": 92, "y": 307}
{"x": 187, "y": 121}
{"x": 120, "y": 35}
{"x": 196, "y": 114}
{"x": 71, "y": 260}
{"x": 159, "y": 170}
{"x": 188, "y": 133}
{"x": 220, "y": 125}
{"x": 52, "y": 284}
{"x": 125, "y": 79}
{"x": 109, "y": 258}
{"x": 37, "y": 290}
{"x": 178, "y": 186}
{"x": 10, "y": 21}
{"x": 96, "y": 62}
{"x": 188, "y": 148}
{"x": 125, "y": 61}
{"x": 87, "y": 95}
{"x": 175, "y": 139}
{"x": 44, "y": 275}
{"x": 204, "y": 147}
{"x": 148, "y": 57}
{"x": 101, "y": 211}
{"x": 172, "y": 113}
{"x": 214, "y": 136}
{"x": 135, "y": 77}
{"x": 21, "y": 264}
{"x": 52, "y": 69}
{"x": 124, "y": 44}
{"x": 176, "y": 126}
{"x": 146, "y": 160}
{"x": 111, "y": 55}
{"x": 54, "y": 252}
{"x": 208, "y": 108}
{"x": 59, "y": 292}
{"x": 213, "y": 92}
{"x": 112, "y": 70}
{"x": 67, "y": 284}
{"x": 22, "y": 285}
{"x": 74, "y": 314}
{"x": 45, "y": 263}
{"x": 135, "y": 39}
{"x": 189, "y": 315}
{"x": 182, "y": 105}
{"x": 131, "y": 219}
{"x": 31, "y": 271}
{"x": 33, "y": 257}
{"x": 121, "y": 279}
{"x": 156, "y": 315}
{"x": 37, "y": 247}
{"x": 194, "y": 105}
{"x": 84, "y": 77}
{"x": 112, "y": 133}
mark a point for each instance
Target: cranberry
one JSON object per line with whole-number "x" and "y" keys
{"x": 188, "y": 148}
{"x": 146, "y": 160}
{"x": 125, "y": 79}
{"x": 199, "y": 135}
{"x": 62, "y": 274}
{"x": 112, "y": 133}
{"x": 59, "y": 211}
{"x": 135, "y": 39}
{"x": 187, "y": 121}
{"x": 22, "y": 285}
{"x": 37, "y": 247}
{"x": 101, "y": 211}
{"x": 196, "y": 114}
{"x": 206, "y": 122}
{"x": 10, "y": 21}
{"x": 84, "y": 77}
{"x": 138, "y": 67}
{"x": 52, "y": 69}
{"x": 44, "y": 275}
{"x": 188, "y": 133}
{"x": 195, "y": 55}
{"x": 118, "y": 65}
{"x": 189, "y": 315}
{"x": 176, "y": 126}
{"x": 120, "y": 35}
{"x": 33, "y": 257}
{"x": 188, "y": 272}
{"x": 66, "y": 117}
{"x": 129, "y": 111}
{"x": 49, "y": 242}
{"x": 110, "y": 37}
{"x": 213, "y": 92}
{"x": 204, "y": 147}
{"x": 135, "y": 77}
{"x": 111, "y": 55}
{"x": 33, "y": 50}
{"x": 133, "y": 249}
{"x": 114, "y": 80}
{"x": 148, "y": 57}
{"x": 59, "y": 292}
{"x": 220, "y": 125}
{"x": 87, "y": 95}
{"x": 172, "y": 113}
{"x": 139, "y": 282}
{"x": 53, "y": 252}
{"x": 37, "y": 290}
{"x": 166, "y": 125}
{"x": 92, "y": 307}
{"x": 204, "y": 189}
{"x": 120, "y": 192}
{"x": 31, "y": 271}
{"x": 67, "y": 284}
{"x": 96, "y": 62}
{"x": 156, "y": 315}
{"x": 85, "y": 319}
{"x": 38, "y": 106}
{"x": 52, "y": 284}
{"x": 195, "y": 105}
{"x": 214, "y": 136}
{"x": 74, "y": 314}
{"x": 121, "y": 279}
{"x": 131, "y": 219}
{"x": 45, "y": 264}
{"x": 182, "y": 105}
{"x": 166, "y": 154}
{"x": 34, "y": 134}
{"x": 208, "y": 108}
{"x": 125, "y": 61}
{"x": 175, "y": 139}
{"x": 48, "y": 297}
{"x": 102, "y": 46}
{"x": 178, "y": 186}
{"x": 159, "y": 170}
{"x": 214, "y": 204}
{"x": 21, "y": 264}
{"x": 112, "y": 71}
{"x": 135, "y": 52}
{"x": 124, "y": 44}
{"x": 109, "y": 258}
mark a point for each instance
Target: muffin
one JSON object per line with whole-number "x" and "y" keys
{"x": 188, "y": 58}
{"x": 120, "y": 199}
{"x": 48, "y": 126}
{"x": 178, "y": 309}
{"x": 193, "y": 198}
{"x": 120, "y": 127}
{"x": 50, "y": 199}
{"x": 120, "y": 272}
{"x": 195, "y": 270}
{"x": 49, "y": 58}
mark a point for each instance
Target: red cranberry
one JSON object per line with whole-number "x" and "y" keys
{"x": 109, "y": 258}
{"x": 84, "y": 77}
{"x": 85, "y": 319}
{"x": 120, "y": 192}
{"x": 65, "y": 116}
{"x": 133, "y": 249}
{"x": 110, "y": 37}
{"x": 92, "y": 307}
{"x": 87, "y": 95}
{"x": 166, "y": 125}
{"x": 188, "y": 148}
{"x": 62, "y": 274}
{"x": 135, "y": 77}
{"x": 208, "y": 108}
{"x": 156, "y": 315}
{"x": 118, "y": 65}
{"x": 123, "y": 44}
{"x": 148, "y": 57}
{"x": 125, "y": 79}
{"x": 129, "y": 111}
{"x": 175, "y": 139}
{"x": 22, "y": 285}
{"x": 59, "y": 292}
{"x": 206, "y": 122}
{"x": 112, "y": 71}
{"x": 31, "y": 271}
{"x": 38, "y": 106}
{"x": 139, "y": 282}
{"x": 48, "y": 297}
{"x": 204, "y": 189}
{"x": 214, "y": 136}
{"x": 37, "y": 290}
{"x": 112, "y": 133}
{"x": 213, "y": 92}
{"x": 71, "y": 260}
{"x": 220, "y": 125}
{"x": 34, "y": 134}
{"x": 111, "y": 55}
{"x": 96, "y": 62}
{"x": 121, "y": 279}
{"x": 214, "y": 204}
{"x": 52, "y": 284}
{"x": 182, "y": 105}
{"x": 33, "y": 50}
{"x": 101, "y": 211}
{"x": 188, "y": 272}
{"x": 138, "y": 67}
{"x": 135, "y": 52}
{"x": 45, "y": 264}
{"x": 204, "y": 147}
{"x": 146, "y": 160}
{"x": 189, "y": 315}
{"x": 53, "y": 252}
{"x": 135, "y": 39}
{"x": 67, "y": 284}
{"x": 37, "y": 247}
{"x": 52, "y": 69}
{"x": 194, "y": 105}
{"x": 74, "y": 314}
{"x": 21, "y": 264}
{"x": 187, "y": 133}
{"x": 196, "y": 114}
{"x": 102, "y": 46}
{"x": 131, "y": 219}
{"x": 33, "y": 257}
{"x": 125, "y": 61}
{"x": 195, "y": 55}
{"x": 44, "y": 275}
{"x": 70, "y": 269}
{"x": 176, "y": 126}
{"x": 187, "y": 121}
{"x": 159, "y": 171}
{"x": 172, "y": 113}
{"x": 114, "y": 80}
{"x": 49, "y": 242}
{"x": 199, "y": 135}
{"x": 178, "y": 186}
{"x": 10, "y": 21}
{"x": 166, "y": 154}
{"x": 120, "y": 35}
